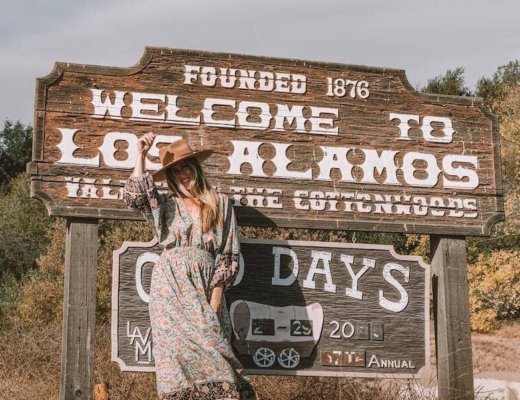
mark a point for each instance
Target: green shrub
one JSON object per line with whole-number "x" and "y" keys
{"x": 37, "y": 297}
{"x": 23, "y": 222}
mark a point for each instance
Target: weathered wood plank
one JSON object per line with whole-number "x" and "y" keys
{"x": 79, "y": 310}
{"x": 293, "y": 140}
{"x": 451, "y": 311}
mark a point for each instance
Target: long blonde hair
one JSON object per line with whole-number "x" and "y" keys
{"x": 201, "y": 189}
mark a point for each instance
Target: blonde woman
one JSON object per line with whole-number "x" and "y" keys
{"x": 197, "y": 229}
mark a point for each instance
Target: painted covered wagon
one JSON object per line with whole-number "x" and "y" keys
{"x": 269, "y": 334}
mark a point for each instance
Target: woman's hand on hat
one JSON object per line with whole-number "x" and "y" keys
{"x": 145, "y": 142}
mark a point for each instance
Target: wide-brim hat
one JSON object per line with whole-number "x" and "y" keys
{"x": 176, "y": 152}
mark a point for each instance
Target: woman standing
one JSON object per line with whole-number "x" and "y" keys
{"x": 197, "y": 229}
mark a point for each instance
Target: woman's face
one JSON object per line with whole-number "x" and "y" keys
{"x": 182, "y": 172}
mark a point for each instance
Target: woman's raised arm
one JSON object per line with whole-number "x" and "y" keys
{"x": 143, "y": 146}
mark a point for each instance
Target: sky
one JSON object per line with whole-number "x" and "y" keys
{"x": 424, "y": 38}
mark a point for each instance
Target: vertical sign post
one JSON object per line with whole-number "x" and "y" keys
{"x": 451, "y": 309}
{"x": 79, "y": 309}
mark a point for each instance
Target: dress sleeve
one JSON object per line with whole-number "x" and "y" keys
{"x": 228, "y": 253}
{"x": 140, "y": 193}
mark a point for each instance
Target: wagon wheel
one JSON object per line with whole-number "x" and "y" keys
{"x": 264, "y": 357}
{"x": 289, "y": 358}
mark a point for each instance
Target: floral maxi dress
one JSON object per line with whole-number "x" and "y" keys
{"x": 193, "y": 355}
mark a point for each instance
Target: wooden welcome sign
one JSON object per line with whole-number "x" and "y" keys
{"x": 297, "y": 143}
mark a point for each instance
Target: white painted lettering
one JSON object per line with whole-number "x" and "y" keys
{"x": 289, "y": 114}
{"x": 348, "y": 261}
{"x": 189, "y": 75}
{"x": 208, "y": 76}
{"x": 172, "y": 110}
{"x": 228, "y": 78}
{"x": 68, "y": 147}
{"x": 400, "y": 305}
{"x": 282, "y": 82}
{"x": 404, "y": 126}
{"x": 335, "y": 158}
{"x": 427, "y": 129}
{"x": 108, "y": 149}
{"x": 281, "y": 161}
{"x": 143, "y": 259}
{"x": 72, "y": 185}
{"x": 245, "y": 152}
{"x": 244, "y": 115}
{"x": 108, "y": 107}
{"x": 145, "y": 106}
{"x": 409, "y": 169}
{"x": 278, "y": 252}
{"x": 325, "y": 257}
{"x": 373, "y": 360}
{"x": 298, "y": 199}
{"x": 468, "y": 177}
{"x": 246, "y": 79}
{"x": 384, "y": 162}
{"x": 208, "y": 112}
{"x": 266, "y": 81}
{"x": 321, "y": 125}
{"x": 299, "y": 84}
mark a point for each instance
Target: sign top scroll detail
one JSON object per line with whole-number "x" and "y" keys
{"x": 297, "y": 143}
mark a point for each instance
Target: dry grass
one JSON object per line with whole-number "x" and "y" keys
{"x": 312, "y": 388}
{"x": 141, "y": 386}
{"x": 30, "y": 363}
{"x": 30, "y": 369}
{"x": 121, "y": 385}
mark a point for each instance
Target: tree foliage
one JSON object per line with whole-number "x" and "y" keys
{"x": 495, "y": 89}
{"x": 494, "y": 285}
{"x": 23, "y": 223}
{"x": 508, "y": 111}
{"x": 15, "y": 149}
{"x": 451, "y": 83}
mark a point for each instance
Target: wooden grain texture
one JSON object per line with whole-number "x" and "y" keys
{"x": 452, "y": 325}
{"x": 79, "y": 310}
{"x": 405, "y": 337}
{"x": 64, "y": 102}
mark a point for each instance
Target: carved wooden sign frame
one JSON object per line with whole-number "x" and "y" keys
{"x": 297, "y": 143}
{"x": 297, "y": 308}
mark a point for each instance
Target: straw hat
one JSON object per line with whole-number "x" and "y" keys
{"x": 175, "y": 152}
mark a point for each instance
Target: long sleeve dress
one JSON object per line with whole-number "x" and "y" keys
{"x": 193, "y": 355}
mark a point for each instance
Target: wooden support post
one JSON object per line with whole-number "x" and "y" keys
{"x": 79, "y": 310}
{"x": 451, "y": 313}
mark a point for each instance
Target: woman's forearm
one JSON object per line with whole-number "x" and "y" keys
{"x": 143, "y": 145}
{"x": 139, "y": 165}
{"x": 216, "y": 296}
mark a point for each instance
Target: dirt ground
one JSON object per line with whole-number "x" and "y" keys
{"x": 498, "y": 352}
{"x": 495, "y": 355}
